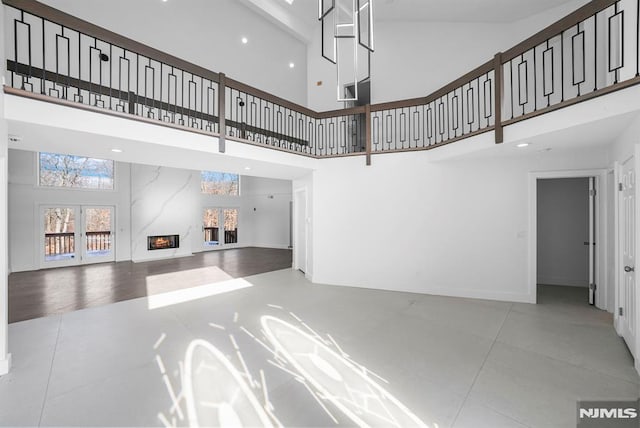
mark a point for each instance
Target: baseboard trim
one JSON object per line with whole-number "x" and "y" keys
{"x": 5, "y": 365}
{"x": 448, "y": 292}
{"x": 152, "y": 259}
{"x": 277, "y": 247}
{"x": 563, "y": 281}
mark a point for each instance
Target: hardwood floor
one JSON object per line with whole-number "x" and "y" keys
{"x": 55, "y": 291}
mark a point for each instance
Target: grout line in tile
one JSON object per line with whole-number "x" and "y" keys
{"x": 495, "y": 339}
{"x": 506, "y": 416}
{"x": 569, "y": 363}
{"x": 53, "y": 358}
{"x": 534, "y": 351}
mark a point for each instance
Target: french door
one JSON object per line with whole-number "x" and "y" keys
{"x": 627, "y": 310}
{"x": 220, "y": 227}
{"x": 76, "y": 234}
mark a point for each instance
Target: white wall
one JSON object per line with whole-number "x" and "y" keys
{"x": 267, "y": 211}
{"x": 413, "y": 59}
{"x": 25, "y": 196}
{"x": 208, "y": 34}
{"x": 456, "y": 227}
{"x": 563, "y": 227}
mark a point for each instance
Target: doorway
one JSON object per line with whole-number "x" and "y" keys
{"x": 565, "y": 239}
{"x": 73, "y": 234}
{"x": 568, "y": 218}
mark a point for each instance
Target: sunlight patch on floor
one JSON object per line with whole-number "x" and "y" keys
{"x": 197, "y": 283}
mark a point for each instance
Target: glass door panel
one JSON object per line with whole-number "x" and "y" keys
{"x": 231, "y": 226}
{"x": 211, "y": 227}
{"x": 98, "y": 234}
{"x": 59, "y": 236}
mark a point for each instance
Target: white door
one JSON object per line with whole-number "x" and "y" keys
{"x": 591, "y": 242}
{"x": 73, "y": 234}
{"x": 300, "y": 231}
{"x": 627, "y": 294}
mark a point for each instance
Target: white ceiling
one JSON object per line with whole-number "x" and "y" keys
{"x": 460, "y": 10}
{"x": 300, "y": 17}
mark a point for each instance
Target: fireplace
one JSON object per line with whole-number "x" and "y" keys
{"x": 163, "y": 242}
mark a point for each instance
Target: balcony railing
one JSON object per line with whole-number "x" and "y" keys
{"x": 56, "y": 244}
{"x": 57, "y": 57}
{"x": 98, "y": 241}
{"x": 211, "y": 235}
{"x": 231, "y": 236}
{"x": 64, "y": 243}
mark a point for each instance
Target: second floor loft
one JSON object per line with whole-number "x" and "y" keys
{"x": 55, "y": 57}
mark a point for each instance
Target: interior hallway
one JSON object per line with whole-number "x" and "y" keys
{"x": 451, "y": 361}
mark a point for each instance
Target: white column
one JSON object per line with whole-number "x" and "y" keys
{"x": 5, "y": 357}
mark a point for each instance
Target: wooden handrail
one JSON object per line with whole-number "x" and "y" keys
{"x": 497, "y": 102}
{"x": 49, "y": 13}
{"x": 222, "y": 109}
{"x": 367, "y": 130}
{"x": 55, "y": 15}
{"x": 340, "y": 112}
{"x": 231, "y": 83}
{"x": 557, "y": 27}
{"x": 133, "y": 99}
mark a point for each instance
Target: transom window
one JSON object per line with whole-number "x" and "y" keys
{"x": 58, "y": 170}
{"x": 220, "y": 183}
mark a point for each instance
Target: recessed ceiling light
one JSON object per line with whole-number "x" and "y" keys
{"x": 244, "y": 40}
{"x": 291, "y": 65}
{"x": 248, "y": 168}
{"x": 289, "y": 1}
{"x": 522, "y": 145}
{"x": 117, "y": 150}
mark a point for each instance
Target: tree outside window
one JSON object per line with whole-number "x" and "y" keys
{"x": 220, "y": 183}
{"x": 58, "y": 170}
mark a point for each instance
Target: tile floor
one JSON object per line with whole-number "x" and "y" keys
{"x": 447, "y": 361}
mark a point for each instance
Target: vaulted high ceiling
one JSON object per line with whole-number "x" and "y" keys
{"x": 300, "y": 17}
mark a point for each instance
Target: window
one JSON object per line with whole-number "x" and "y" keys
{"x": 56, "y": 170}
{"x": 219, "y": 183}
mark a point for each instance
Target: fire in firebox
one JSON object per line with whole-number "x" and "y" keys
{"x": 163, "y": 242}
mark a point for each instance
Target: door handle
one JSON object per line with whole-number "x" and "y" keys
{"x": 629, "y": 269}
{"x": 587, "y": 243}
